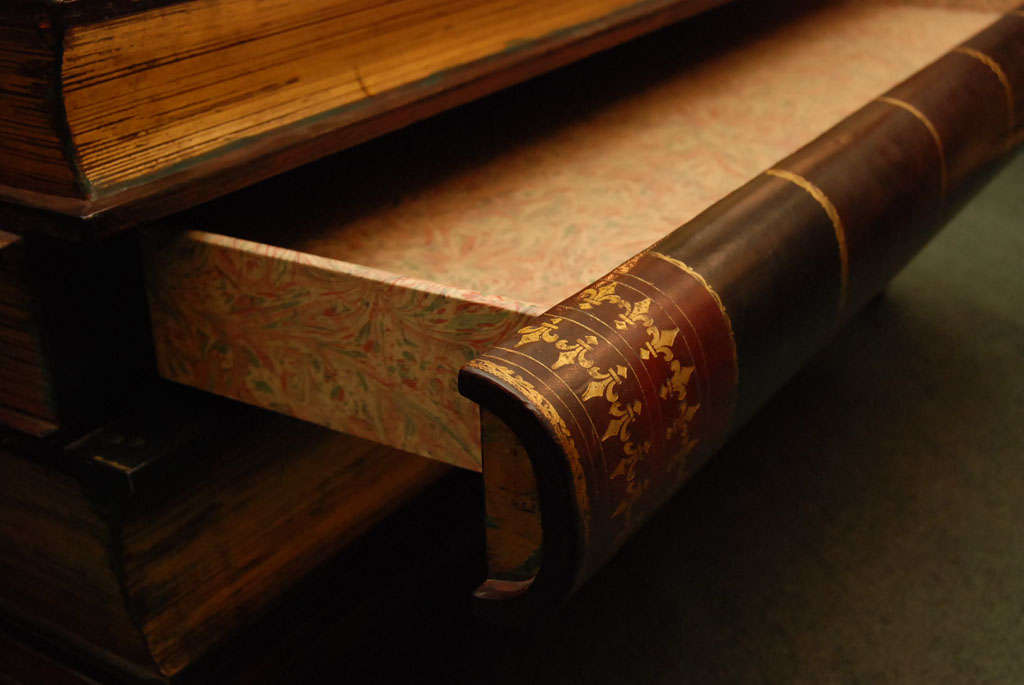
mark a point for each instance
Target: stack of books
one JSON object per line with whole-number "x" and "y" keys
{"x": 577, "y": 286}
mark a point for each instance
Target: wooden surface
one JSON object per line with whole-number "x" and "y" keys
{"x": 22, "y": 663}
{"x": 515, "y": 534}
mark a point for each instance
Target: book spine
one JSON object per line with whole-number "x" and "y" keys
{"x": 622, "y": 391}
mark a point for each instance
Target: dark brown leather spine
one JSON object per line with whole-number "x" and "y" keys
{"x": 621, "y": 391}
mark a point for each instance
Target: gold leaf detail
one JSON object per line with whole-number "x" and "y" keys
{"x": 627, "y": 470}
{"x": 575, "y": 353}
{"x": 622, "y": 416}
{"x": 659, "y": 344}
{"x": 599, "y": 294}
{"x": 605, "y": 384}
{"x": 636, "y": 314}
{"x": 676, "y": 386}
{"x": 545, "y": 331}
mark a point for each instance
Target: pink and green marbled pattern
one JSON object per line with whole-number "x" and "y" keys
{"x": 351, "y": 348}
{"x": 568, "y": 206}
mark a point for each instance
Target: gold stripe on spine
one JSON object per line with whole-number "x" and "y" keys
{"x": 564, "y": 435}
{"x": 683, "y": 266}
{"x": 1001, "y": 75}
{"x": 920, "y": 116}
{"x": 833, "y": 216}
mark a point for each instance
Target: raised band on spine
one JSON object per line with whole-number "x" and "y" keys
{"x": 837, "y": 225}
{"x": 920, "y": 116}
{"x": 996, "y": 69}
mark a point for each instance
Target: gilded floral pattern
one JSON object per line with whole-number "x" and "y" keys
{"x": 545, "y": 330}
{"x": 640, "y": 370}
{"x": 605, "y": 382}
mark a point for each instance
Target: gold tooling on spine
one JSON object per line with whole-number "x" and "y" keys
{"x": 714, "y": 296}
{"x": 837, "y": 225}
{"x": 920, "y": 116}
{"x": 1000, "y": 74}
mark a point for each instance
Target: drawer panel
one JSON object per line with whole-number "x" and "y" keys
{"x": 345, "y": 346}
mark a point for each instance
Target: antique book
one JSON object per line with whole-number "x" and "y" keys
{"x": 73, "y": 332}
{"x": 25, "y": 398}
{"x": 467, "y": 237}
{"x": 156, "y": 537}
{"x": 131, "y": 109}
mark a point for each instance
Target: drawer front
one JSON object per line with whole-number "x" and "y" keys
{"x": 348, "y": 347}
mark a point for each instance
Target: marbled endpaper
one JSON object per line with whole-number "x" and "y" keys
{"x": 351, "y": 348}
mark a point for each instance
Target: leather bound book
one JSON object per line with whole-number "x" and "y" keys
{"x": 619, "y": 392}
{"x": 116, "y": 111}
{"x": 74, "y": 342}
{"x": 166, "y": 530}
{"x": 355, "y": 304}
{"x": 25, "y": 398}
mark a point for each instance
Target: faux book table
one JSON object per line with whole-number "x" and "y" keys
{"x": 505, "y": 288}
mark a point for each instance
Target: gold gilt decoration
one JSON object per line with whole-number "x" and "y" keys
{"x": 584, "y": 352}
{"x": 659, "y": 344}
{"x": 602, "y": 292}
{"x": 575, "y": 353}
{"x": 1000, "y": 74}
{"x": 623, "y": 414}
{"x": 633, "y": 313}
{"x": 837, "y": 226}
{"x": 932, "y": 131}
{"x": 622, "y": 417}
{"x": 635, "y": 488}
{"x": 685, "y": 268}
{"x": 676, "y": 386}
{"x": 605, "y": 384}
{"x": 546, "y": 331}
{"x": 636, "y": 314}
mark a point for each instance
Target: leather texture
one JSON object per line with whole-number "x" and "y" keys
{"x": 621, "y": 391}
